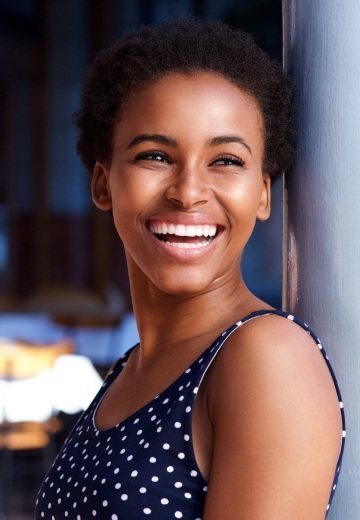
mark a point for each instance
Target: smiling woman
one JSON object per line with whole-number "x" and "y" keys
{"x": 227, "y": 408}
{"x": 190, "y": 175}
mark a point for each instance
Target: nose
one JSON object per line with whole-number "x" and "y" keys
{"x": 189, "y": 187}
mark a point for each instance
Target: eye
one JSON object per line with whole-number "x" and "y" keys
{"x": 229, "y": 160}
{"x": 152, "y": 155}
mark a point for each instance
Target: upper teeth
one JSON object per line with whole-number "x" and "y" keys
{"x": 183, "y": 231}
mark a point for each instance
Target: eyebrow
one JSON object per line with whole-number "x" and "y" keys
{"x": 156, "y": 138}
{"x": 225, "y": 139}
{"x": 162, "y": 139}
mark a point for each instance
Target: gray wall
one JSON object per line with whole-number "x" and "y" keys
{"x": 321, "y": 242}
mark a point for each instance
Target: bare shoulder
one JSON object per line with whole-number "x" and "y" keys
{"x": 277, "y": 425}
{"x": 274, "y": 350}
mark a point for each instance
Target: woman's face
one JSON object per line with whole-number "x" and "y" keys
{"x": 185, "y": 182}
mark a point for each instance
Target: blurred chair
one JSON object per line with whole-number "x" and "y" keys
{"x": 27, "y": 418}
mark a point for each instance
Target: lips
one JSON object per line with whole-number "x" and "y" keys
{"x": 184, "y": 236}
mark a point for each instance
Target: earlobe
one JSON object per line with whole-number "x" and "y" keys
{"x": 264, "y": 209}
{"x": 100, "y": 190}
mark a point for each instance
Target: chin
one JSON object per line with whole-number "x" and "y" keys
{"x": 182, "y": 286}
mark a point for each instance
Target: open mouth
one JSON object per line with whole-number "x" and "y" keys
{"x": 184, "y": 236}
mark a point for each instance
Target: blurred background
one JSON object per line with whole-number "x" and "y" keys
{"x": 63, "y": 280}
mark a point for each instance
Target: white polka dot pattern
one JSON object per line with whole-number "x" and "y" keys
{"x": 144, "y": 466}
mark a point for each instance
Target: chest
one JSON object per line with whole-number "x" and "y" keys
{"x": 145, "y": 463}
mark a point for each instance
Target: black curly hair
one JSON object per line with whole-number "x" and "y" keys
{"x": 185, "y": 45}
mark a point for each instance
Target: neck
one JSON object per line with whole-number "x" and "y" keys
{"x": 166, "y": 320}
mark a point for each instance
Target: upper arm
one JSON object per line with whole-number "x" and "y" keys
{"x": 277, "y": 426}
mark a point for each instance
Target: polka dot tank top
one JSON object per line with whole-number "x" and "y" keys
{"x": 145, "y": 466}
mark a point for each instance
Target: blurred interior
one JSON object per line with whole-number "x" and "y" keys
{"x": 62, "y": 268}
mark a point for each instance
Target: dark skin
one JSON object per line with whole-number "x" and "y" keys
{"x": 188, "y": 151}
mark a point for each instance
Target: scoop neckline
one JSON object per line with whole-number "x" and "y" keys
{"x": 141, "y": 411}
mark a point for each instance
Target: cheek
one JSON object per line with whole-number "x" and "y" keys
{"x": 127, "y": 197}
{"x": 243, "y": 200}
{"x": 131, "y": 197}
{"x": 135, "y": 192}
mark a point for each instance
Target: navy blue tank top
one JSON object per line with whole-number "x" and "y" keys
{"x": 144, "y": 467}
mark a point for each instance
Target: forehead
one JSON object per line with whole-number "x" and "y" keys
{"x": 192, "y": 104}
{"x": 197, "y": 82}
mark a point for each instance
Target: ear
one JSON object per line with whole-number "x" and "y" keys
{"x": 263, "y": 212}
{"x": 100, "y": 188}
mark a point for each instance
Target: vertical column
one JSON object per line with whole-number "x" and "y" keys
{"x": 321, "y": 240}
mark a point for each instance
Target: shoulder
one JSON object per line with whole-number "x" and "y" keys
{"x": 275, "y": 413}
{"x": 274, "y": 358}
{"x": 271, "y": 344}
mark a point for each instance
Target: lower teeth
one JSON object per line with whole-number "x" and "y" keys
{"x": 186, "y": 245}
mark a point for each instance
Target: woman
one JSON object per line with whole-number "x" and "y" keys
{"x": 227, "y": 409}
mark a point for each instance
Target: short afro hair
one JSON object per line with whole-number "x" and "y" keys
{"x": 185, "y": 45}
